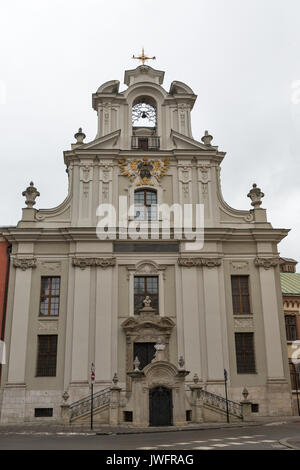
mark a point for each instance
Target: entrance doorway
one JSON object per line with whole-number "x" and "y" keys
{"x": 160, "y": 407}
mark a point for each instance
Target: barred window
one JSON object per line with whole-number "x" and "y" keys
{"x": 245, "y": 356}
{"x": 240, "y": 295}
{"x": 47, "y": 353}
{"x": 143, "y": 286}
{"x": 290, "y": 327}
{"x": 295, "y": 375}
{"x": 50, "y": 294}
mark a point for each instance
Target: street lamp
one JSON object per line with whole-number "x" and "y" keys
{"x": 225, "y": 383}
{"x": 294, "y": 362}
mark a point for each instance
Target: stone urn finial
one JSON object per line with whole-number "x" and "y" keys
{"x": 196, "y": 379}
{"x": 79, "y": 136}
{"x": 245, "y": 393}
{"x": 30, "y": 193}
{"x": 181, "y": 362}
{"x": 115, "y": 379}
{"x": 65, "y": 395}
{"x": 136, "y": 364}
{"x": 255, "y": 195}
{"x": 207, "y": 138}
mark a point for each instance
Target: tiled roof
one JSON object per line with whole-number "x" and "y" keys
{"x": 290, "y": 283}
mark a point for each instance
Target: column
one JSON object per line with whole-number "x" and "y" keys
{"x": 190, "y": 310}
{"x": 105, "y": 339}
{"x": 271, "y": 323}
{"x": 215, "y": 364}
{"x": 20, "y": 316}
{"x": 80, "y": 343}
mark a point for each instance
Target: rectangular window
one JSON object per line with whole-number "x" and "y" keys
{"x": 47, "y": 352}
{"x": 43, "y": 412}
{"x": 295, "y": 375}
{"x": 145, "y": 352}
{"x": 143, "y": 286}
{"x": 50, "y": 293}
{"x": 245, "y": 357}
{"x": 240, "y": 295}
{"x": 290, "y": 327}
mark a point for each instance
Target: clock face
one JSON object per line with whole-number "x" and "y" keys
{"x": 144, "y": 115}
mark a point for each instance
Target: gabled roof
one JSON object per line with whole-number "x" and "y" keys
{"x": 290, "y": 283}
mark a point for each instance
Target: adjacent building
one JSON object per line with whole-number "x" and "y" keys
{"x": 290, "y": 285}
{"x": 4, "y": 270}
{"x": 162, "y": 317}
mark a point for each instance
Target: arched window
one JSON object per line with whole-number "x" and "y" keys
{"x": 145, "y": 204}
{"x": 144, "y": 122}
{"x": 144, "y": 112}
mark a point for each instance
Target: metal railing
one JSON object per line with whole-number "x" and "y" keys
{"x": 83, "y": 406}
{"x": 219, "y": 402}
{"x": 139, "y": 142}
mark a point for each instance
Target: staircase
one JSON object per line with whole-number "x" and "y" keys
{"x": 82, "y": 407}
{"x": 217, "y": 402}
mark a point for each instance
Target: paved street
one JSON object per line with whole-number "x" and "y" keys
{"x": 264, "y": 437}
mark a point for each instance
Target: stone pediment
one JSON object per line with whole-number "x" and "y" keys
{"x": 179, "y": 88}
{"x": 155, "y": 322}
{"x": 106, "y": 142}
{"x": 183, "y": 142}
{"x": 112, "y": 86}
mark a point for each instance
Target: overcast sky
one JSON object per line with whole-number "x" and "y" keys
{"x": 240, "y": 57}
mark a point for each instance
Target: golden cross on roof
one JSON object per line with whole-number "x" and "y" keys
{"x": 143, "y": 57}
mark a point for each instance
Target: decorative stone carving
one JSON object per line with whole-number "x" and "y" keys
{"x": 246, "y": 323}
{"x": 196, "y": 262}
{"x": 48, "y": 325}
{"x": 31, "y": 193}
{"x": 115, "y": 379}
{"x": 136, "y": 364}
{"x": 238, "y": 265}
{"x": 105, "y": 262}
{"x": 196, "y": 379}
{"x": 255, "y": 195}
{"x": 145, "y": 170}
{"x": 145, "y": 329}
{"x": 86, "y": 174}
{"x": 147, "y": 301}
{"x": 50, "y": 266}
{"x": 24, "y": 263}
{"x": 249, "y": 217}
{"x": 65, "y": 396}
{"x": 79, "y": 136}
{"x": 102, "y": 262}
{"x": 181, "y": 362}
{"x": 267, "y": 263}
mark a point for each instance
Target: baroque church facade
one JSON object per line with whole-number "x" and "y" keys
{"x": 159, "y": 321}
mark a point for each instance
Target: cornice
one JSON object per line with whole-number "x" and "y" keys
{"x": 45, "y": 234}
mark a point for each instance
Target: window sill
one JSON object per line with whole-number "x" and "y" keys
{"x": 243, "y": 315}
{"x": 48, "y": 317}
